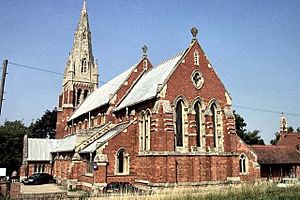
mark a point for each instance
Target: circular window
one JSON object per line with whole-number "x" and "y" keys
{"x": 197, "y": 79}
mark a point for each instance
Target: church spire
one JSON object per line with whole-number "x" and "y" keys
{"x": 283, "y": 123}
{"x": 81, "y": 72}
{"x": 81, "y": 65}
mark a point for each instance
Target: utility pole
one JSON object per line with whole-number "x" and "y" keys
{"x": 4, "y": 69}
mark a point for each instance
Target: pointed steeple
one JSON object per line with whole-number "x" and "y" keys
{"x": 81, "y": 73}
{"x": 81, "y": 65}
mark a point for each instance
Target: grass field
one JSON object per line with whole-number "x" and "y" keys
{"x": 246, "y": 192}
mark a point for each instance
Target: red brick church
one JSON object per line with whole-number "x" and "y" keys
{"x": 154, "y": 126}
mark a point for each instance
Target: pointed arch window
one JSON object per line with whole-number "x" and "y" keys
{"x": 197, "y": 108}
{"x": 243, "y": 164}
{"x": 86, "y": 92}
{"x": 213, "y": 110}
{"x": 145, "y": 129}
{"x": 78, "y": 99}
{"x": 74, "y": 67}
{"x": 145, "y": 64}
{"x": 83, "y": 65}
{"x": 179, "y": 123}
{"x": 196, "y": 57}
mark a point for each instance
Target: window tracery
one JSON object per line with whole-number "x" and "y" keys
{"x": 243, "y": 164}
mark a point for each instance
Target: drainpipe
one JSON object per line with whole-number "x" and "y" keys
{"x": 89, "y": 120}
{"x": 72, "y": 126}
{"x": 127, "y": 112}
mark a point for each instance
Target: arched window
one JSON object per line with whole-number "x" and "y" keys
{"x": 83, "y": 66}
{"x": 74, "y": 98}
{"x": 86, "y": 92}
{"x": 78, "y": 97}
{"x": 243, "y": 163}
{"x": 74, "y": 67}
{"x": 122, "y": 162}
{"x": 142, "y": 131}
{"x": 35, "y": 168}
{"x": 197, "y": 108}
{"x": 196, "y": 57}
{"x": 145, "y": 64}
{"x": 213, "y": 110}
{"x": 145, "y": 128}
{"x": 179, "y": 123}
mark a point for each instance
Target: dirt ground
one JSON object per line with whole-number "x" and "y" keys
{"x": 45, "y": 188}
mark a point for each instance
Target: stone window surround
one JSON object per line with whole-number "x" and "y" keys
{"x": 196, "y": 58}
{"x": 202, "y": 121}
{"x": 199, "y": 84}
{"x": 145, "y": 135}
{"x": 185, "y": 123}
{"x": 219, "y": 124}
{"x": 126, "y": 162}
{"x": 206, "y": 111}
{"x": 243, "y": 164}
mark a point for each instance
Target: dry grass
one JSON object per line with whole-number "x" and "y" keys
{"x": 263, "y": 191}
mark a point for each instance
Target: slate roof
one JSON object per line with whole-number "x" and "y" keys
{"x": 271, "y": 154}
{"x": 147, "y": 87}
{"x": 102, "y": 95}
{"x": 40, "y": 149}
{"x": 65, "y": 144}
{"x": 289, "y": 140}
{"x": 105, "y": 137}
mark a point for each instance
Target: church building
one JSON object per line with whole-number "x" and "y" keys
{"x": 153, "y": 126}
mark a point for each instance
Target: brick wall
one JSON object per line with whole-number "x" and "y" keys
{"x": 171, "y": 167}
{"x": 164, "y": 163}
{"x": 15, "y": 189}
{"x": 61, "y": 124}
{"x": 253, "y": 171}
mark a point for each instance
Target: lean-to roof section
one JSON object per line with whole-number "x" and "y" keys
{"x": 105, "y": 137}
{"x": 40, "y": 149}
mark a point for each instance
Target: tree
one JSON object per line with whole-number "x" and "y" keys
{"x": 45, "y": 126}
{"x": 290, "y": 129}
{"x": 11, "y": 142}
{"x": 249, "y": 137}
{"x": 253, "y": 137}
{"x": 275, "y": 140}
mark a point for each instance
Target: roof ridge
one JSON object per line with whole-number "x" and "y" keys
{"x": 169, "y": 59}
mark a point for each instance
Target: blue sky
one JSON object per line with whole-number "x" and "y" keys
{"x": 253, "y": 45}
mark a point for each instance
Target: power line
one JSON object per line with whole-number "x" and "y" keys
{"x": 265, "y": 110}
{"x": 40, "y": 69}
{"x": 35, "y": 68}
{"x": 103, "y": 82}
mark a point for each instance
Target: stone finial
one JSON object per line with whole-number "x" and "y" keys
{"x": 283, "y": 123}
{"x": 145, "y": 49}
{"x": 194, "y": 32}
